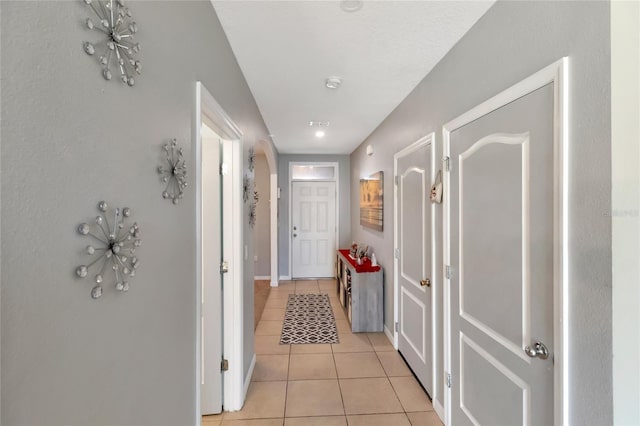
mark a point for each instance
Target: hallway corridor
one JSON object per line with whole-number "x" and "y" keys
{"x": 360, "y": 381}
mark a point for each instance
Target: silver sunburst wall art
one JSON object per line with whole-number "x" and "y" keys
{"x": 246, "y": 188}
{"x": 174, "y": 173}
{"x": 252, "y": 209}
{"x": 252, "y": 158}
{"x": 112, "y": 250}
{"x": 114, "y": 22}
{"x": 252, "y": 214}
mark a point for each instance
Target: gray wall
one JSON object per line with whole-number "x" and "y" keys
{"x": 70, "y": 139}
{"x": 512, "y": 41}
{"x": 344, "y": 194}
{"x": 262, "y": 231}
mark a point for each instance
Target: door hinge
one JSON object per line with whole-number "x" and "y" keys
{"x": 396, "y": 253}
{"x": 447, "y": 271}
{"x": 448, "y": 380}
{"x": 224, "y": 365}
{"x": 396, "y": 179}
{"x": 224, "y": 169}
{"x": 224, "y": 267}
{"x": 397, "y": 327}
{"x": 446, "y": 163}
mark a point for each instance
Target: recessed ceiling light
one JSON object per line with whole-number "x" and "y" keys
{"x": 332, "y": 82}
{"x": 351, "y": 5}
{"x": 319, "y": 134}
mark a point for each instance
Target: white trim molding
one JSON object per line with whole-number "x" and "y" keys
{"x": 557, "y": 74}
{"x": 247, "y": 379}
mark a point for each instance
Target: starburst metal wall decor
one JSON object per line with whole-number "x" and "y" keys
{"x": 117, "y": 27}
{"x": 252, "y": 209}
{"x": 113, "y": 249}
{"x": 252, "y": 214}
{"x": 252, "y": 158}
{"x": 174, "y": 174}
{"x": 246, "y": 188}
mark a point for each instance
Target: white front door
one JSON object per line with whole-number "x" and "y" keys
{"x": 211, "y": 310}
{"x": 501, "y": 184}
{"x": 313, "y": 229}
{"x": 414, "y": 265}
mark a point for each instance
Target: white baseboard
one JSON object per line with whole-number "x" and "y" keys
{"x": 285, "y": 277}
{"x": 389, "y": 335}
{"x": 439, "y": 409}
{"x": 262, "y": 277}
{"x": 247, "y": 379}
{"x": 274, "y": 283}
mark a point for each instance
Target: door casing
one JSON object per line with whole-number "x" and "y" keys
{"x": 556, "y": 73}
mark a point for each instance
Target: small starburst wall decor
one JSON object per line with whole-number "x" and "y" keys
{"x": 174, "y": 173}
{"x": 114, "y": 22}
{"x": 252, "y": 158}
{"x": 113, "y": 249}
{"x": 246, "y": 188}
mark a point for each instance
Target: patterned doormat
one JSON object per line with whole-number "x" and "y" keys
{"x": 308, "y": 319}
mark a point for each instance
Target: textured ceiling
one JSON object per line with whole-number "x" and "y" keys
{"x": 286, "y": 50}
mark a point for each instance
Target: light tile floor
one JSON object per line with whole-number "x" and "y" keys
{"x": 361, "y": 381}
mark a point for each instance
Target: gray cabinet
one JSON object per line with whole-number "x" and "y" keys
{"x": 360, "y": 290}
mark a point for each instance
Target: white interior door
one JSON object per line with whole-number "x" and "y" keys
{"x": 313, "y": 229}
{"x": 414, "y": 265}
{"x": 211, "y": 310}
{"x": 502, "y": 258}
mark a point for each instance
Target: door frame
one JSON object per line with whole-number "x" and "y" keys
{"x": 556, "y": 73}
{"x": 336, "y": 167}
{"x": 435, "y": 292}
{"x": 232, "y": 327}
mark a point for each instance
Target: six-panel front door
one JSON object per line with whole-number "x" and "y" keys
{"x": 313, "y": 229}
{"x": 414, "y": 273}
{"x": 502, "y": 258}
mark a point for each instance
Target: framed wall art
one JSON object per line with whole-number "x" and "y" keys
{"x": 372, "y": 201}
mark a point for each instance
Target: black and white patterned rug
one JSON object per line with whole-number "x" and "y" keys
{"x": 308, "y": 319}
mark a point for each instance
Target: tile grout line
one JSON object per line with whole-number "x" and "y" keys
{"x": 286, "y": 390}
{"x": 335, "y": 365}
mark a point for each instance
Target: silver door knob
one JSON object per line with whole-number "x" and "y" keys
{"x": 539, "y": 350}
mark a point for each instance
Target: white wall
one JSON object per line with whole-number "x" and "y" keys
{"x": 70, "y": 139}
{"x": 625, "y": 205}
{"x": 510, "y": 42}
{"x": 261, "y": 232}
